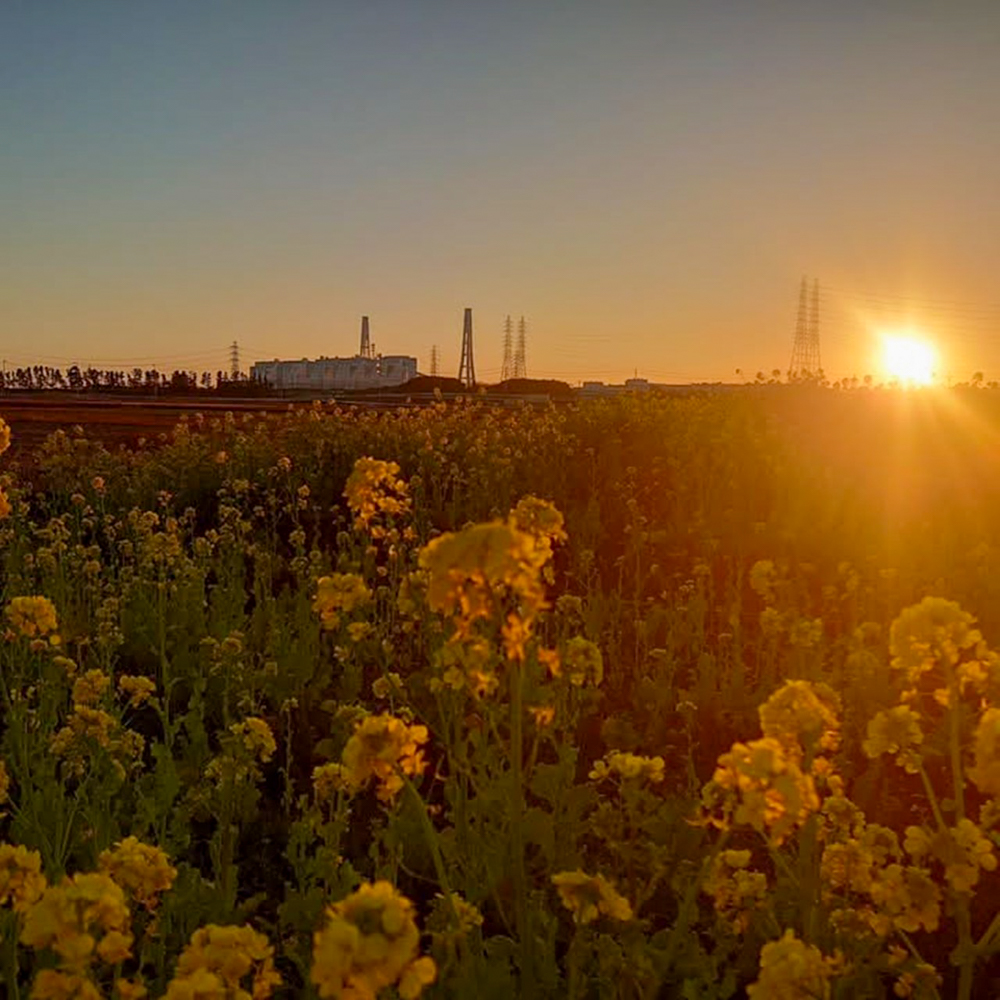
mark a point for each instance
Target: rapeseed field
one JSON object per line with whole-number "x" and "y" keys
{"x": 652, "y": 697}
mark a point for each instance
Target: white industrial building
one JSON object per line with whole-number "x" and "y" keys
{"x": 366, "y": 370}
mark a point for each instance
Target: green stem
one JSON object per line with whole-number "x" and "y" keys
{"x": 524, "y": 933}
{"x": 932, "y": 798}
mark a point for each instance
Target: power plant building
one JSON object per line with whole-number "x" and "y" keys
{"x": 366, "y": 370}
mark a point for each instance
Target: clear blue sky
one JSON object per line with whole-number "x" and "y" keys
{"x": 645, "y": 182}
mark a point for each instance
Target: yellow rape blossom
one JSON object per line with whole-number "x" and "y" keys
{"x": 70, "y": 917}
{"x": 379, "y": 746}
{"x": 588, "y": 897}
{"x": 33, "y": 617}
{"x": 468, "y": 570}
{"x": 374, "y": 487}
{"x": 144, "y": 870}
{"x": 256, "y": 736}
{"x": 138, "y": 690}
{"x": 582, "y": 662}
{"x": 736, "y": 890}
{"x": 790, "y": 969}
{"x": 760, "y": 785}
{"x": 935, "y": 630}
{"x": 54, "y": 984}
{"x": 21, "y": 880}
{"x": 339, "y": 592}
{"x": 801, "y": 715}
{"x": 225, "y": 962}
{"x": 629, "y": 767}
{"x": 88, "y": 688}
{"x": 985, "y": 773}
{"x": 4, "y": 435}
{"x": 327, "y": 780}
{"x": 368, "y": 942}
{"x": 898, "y": 732}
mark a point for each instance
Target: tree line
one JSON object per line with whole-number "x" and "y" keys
{"x": 137, "y": 380}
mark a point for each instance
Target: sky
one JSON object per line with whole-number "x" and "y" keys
{"x": 645, "y": 182}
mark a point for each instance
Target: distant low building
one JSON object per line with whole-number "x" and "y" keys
{"x": 324, "y": 374}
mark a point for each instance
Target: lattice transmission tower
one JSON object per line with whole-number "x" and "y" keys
{"x": 434, "y": 359}
{"x": 234, "y": 360}
{"x": 467, "y": 365}
{"x": 805, "y": 348}
{"x": 507, "y": 367}
{"x": 520, "y": 353}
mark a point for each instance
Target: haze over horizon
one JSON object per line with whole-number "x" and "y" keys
{"x": 645, "y": 182}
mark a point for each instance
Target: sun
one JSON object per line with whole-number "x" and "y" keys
{"x": 908, "y": 360}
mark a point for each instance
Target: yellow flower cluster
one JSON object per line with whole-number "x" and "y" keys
{"x": 761, "y": 785}
{"x": 89, "y": 688}
{"x": 83, "y": 916}
{"x": 896, "y": 731}
{"x": 21, "y": 880}
{"x": 369, "y": 942}
{"x": 628, "y": 767}
{"x": 964, "y": 851}
{"x": 581, "y": 661}
{"x": 935, "y": 630}
{"x": 87, "y": 727}
{"x": 339, "y": 592}
{"x": 256, "y": 736}
{"x": 143, "y": 870}
{"x": 790, "y": 969}
{"x": 985, "y": 772}
{"x": 327, "y": 780}
{"x": 374, "y": 488}
{"x": 588, "y": 897}
{"x": 471, "y": 569}
{"x": 383, "y": 747}
{"x": 735, "y": 889}
{"x": 225, "y": 963}
{"x": 33, "y": 617}
{"x": 138, "y": 690}
{"x": 802, "y": 715}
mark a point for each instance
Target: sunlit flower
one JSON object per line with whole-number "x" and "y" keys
{"x": 239, "y": 959}
{"x": 144, "y": 870}
{"x": 589, "y": 896}
{"x": 898, "y": 732}
{"x": 735, "y": 889}
{"x": 935, "y": 630}
{"x": 381, "y": 747}
{"x": 374, "y": 487}
{"x": 368, "y": 942}
{"x": 790, "y": 969}
{"x": 986, "y": 771}
{"x": 802, "y": 715}
{"x": 21, "y": 880}
{"x": 760, "y": 785}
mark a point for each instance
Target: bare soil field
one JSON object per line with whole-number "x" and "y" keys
{"x": 113, "y": 421}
